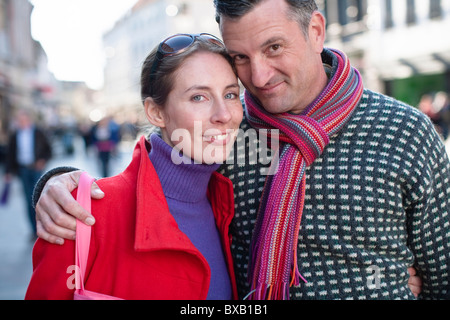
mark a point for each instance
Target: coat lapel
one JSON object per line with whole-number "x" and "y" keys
{"x": 156, "y": 229}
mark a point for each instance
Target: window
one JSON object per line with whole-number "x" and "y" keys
{"x": 410, "y": 12}
{"x": 351, "y": 10}
{"x": 388, "y": 21}
{"x": 435, "y": 9}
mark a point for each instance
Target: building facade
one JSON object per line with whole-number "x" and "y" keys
{"x": 132, "y": 38}
{"x": 400, "y": 46}
{"x": 25, "y": 81}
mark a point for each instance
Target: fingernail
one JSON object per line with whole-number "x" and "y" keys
{"x": 89, "y": 221}
{"x": 60, "y": 241}
{"x": 99, "y": 192}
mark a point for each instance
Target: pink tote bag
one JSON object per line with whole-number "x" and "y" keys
{"x": 82, "y": 243}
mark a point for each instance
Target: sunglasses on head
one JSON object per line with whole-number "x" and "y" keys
{"x": 177, "y": 44}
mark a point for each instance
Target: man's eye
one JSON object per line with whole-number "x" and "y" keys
{"x": 240, "y": 59}
{"x": 274, "y": 48}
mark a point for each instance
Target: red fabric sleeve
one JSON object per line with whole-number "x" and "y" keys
{"x": 53, "y": 275}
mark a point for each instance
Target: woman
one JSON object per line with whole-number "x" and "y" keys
{"x": 162, "y": 232}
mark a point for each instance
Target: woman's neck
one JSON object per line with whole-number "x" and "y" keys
{"x": 186, "y": 182}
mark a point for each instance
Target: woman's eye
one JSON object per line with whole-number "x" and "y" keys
{"x": 231, "y": 95}
{"x": 198, "y": 98}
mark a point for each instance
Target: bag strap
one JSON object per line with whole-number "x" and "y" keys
{"x": 83, "y": 233}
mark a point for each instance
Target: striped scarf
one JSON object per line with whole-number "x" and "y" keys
{"x": 273, "y": 257}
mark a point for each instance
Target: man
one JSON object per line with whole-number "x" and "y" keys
{"x": 28, "y": 152}
{"x": 362, "y": 191}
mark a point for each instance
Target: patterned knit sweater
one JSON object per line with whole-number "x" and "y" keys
{"x": 377, "y": 201}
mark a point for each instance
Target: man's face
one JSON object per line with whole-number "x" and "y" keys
{"x": 273, "y": 58}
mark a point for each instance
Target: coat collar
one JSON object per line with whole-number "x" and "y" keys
{"x": 156, "y": 229}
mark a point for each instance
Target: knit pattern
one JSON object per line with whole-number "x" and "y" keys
{"x": 273, "y": 265}
{"x": 376, "y": 202}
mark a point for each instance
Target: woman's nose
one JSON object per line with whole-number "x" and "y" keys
{"x": 221, "y": 113}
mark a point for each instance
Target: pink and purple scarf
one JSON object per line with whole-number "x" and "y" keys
{"x": 273, "y": 258}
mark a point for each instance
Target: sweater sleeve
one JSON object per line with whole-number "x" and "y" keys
{"x": 44, "y": 179}
{"x": 427, "y": 204}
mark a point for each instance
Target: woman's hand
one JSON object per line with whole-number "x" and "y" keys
{"x": 414, "y": 282}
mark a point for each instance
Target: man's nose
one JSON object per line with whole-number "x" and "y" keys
{"x": 261, "y": 72}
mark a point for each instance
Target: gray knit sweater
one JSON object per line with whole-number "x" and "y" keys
{"x": 377, "y": 202}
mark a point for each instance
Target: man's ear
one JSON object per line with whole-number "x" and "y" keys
{"x": 317, "y": 31}
{"x": 154, "y": 113}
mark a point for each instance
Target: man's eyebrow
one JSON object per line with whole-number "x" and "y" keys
{"x": 266, "y": 43}
{"x": 271, "y": 41}
{"x": 230, "y": 52}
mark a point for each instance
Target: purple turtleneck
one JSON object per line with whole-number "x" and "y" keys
{"x": 185, "y": 187}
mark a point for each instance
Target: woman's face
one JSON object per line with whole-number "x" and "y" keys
{"x": 203, "y": 111}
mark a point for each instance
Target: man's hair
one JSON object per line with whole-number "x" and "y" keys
{"x": 300, "y": 10}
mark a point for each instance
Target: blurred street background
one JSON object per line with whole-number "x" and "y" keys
{"x": 16, "y": 236}
{"x": 75, "y": 65}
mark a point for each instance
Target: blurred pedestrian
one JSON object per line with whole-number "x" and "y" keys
{"x": 426, "y": 106}
{"x": 85, "y": 131}
{"x": 437, "y": 108}
{"x": 105, "y": 136}
{"x": 441, "y": 104}
{"x": 27, "y": 155}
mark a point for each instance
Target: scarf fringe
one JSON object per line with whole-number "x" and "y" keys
{"x": 269, "y": 292}
{"x": 279, "y": 291}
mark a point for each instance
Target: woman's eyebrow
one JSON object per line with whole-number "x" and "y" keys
{"x": 197, "y": 87}
{"x": 234, "y": 85}
{"x": 200, "y": 87}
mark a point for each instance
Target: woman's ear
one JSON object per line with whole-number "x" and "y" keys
{"x": 154, "y": 113}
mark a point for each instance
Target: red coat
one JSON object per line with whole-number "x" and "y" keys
{"x": 137, "y": 250}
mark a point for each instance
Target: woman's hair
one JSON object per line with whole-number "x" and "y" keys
{"x": 159, "y": 84}
{"x": 299, "y": 10}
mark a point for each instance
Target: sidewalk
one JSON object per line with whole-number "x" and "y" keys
{"x": 15, "y": 246}
{"x": 15, "y": 233}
